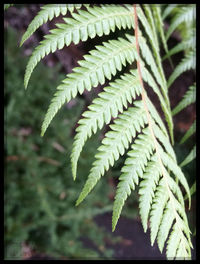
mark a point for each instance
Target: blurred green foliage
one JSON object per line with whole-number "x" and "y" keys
{"x": 40, "y": 193}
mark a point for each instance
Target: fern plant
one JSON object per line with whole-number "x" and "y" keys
{"x": 137, "y": 127}
{"x": 184, "y": 20}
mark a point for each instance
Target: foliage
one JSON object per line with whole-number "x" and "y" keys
{"x": 39, "y": 191}
{"x": 137, "y": 126}
{"x": 183, "y": 18}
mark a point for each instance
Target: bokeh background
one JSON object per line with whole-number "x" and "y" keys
{"x": 41, "y": 220}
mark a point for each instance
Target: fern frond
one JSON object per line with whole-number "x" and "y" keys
{"x": 150, "y": 30}
{"x": 187, "y": 63}
{"x": 148, "y": 57}
{"x": 150, "y": 19}
{"x": 192, "y": 190}
{"x": 107, "y": 105}
{"x": 188, "y": 98}
{"x": 159, "y": 24}
{"x": 159, "y": 129}
{"x": 151, "y": 161}
{"x": 147, "y": 190}
{"x": 153, "y": 199}
{"x": 163, "y": 197}
{"x": 175, "y": 169}
{"x": 159, "y": 198}
{"x": 190, "y": 157}
{"x": 114, "y": 144}
{"x": 177, "y": 244}
{"x": 164, "y": 140}
{"x": 58, "y": 105}
{"x": 147, "y": 77}
{"x": 136, "y": 162}
{"x": 180, "y": 223}
{"x": 168, "y": 10}
{"x": 103, "y": 63}
{"x": 189, "y": 133}
{"x": 185, "y": 14}
{"x": 156, "y": 117}
{"x": 182, "y": 46}
{"x": 165, "y": 226}
{"x": 47, "y": 13}
{"x": 86, "y": 24}
{"x": 134, "y": 167}
{"x": 147, "y": 54}
{"x": 131, "y": 171}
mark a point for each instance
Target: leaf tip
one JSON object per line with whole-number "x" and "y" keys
{"x": 113, "y": 228}
{"x": 73, "y": 171}
{"x": 25, "y": 84}
{"x": 21, "y": 43}
{"x": 189, "y": 202}
{"x": 77, "y": 202}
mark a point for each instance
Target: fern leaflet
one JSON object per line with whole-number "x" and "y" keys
{"x": 189, "y": 133}
{"x": 47, "y": 12}
{"x": 187, "y": 63}
{"x": 94, "y": 22}
{"x": 168, "y": 10}
{"x": 114, "y": 145}
{"x": 182, "y": 46}
{"x": 191, "y": 156}
{"x": 188, "y": 98}
{"x": 110, "y": 102}
{"x": 185, "y": 14}
{"x": 159, "y": 23}
{"x": 103, "y": 62}
{"x": 131, "y": 171}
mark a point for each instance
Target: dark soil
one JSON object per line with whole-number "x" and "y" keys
{"x": 135, "y": 243}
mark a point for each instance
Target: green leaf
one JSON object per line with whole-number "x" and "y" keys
{"x": 188, "y": 98}
{"x": 189, "y": 133}
{"x": 182, "y": 46}
{"x": 131, "y": 171}
{"x": 107, "y": 105}
{"x": 185, "y": 14}
{"x": 190, "y": 157}
{"x": 187, "y": 63}
{"x": 47, "y": 13}
{"x": 168, "y": 10}
{"x": 114, "y": 144}
{"x": 94, "y": 64}
{"x": 147, "y": 190}
{"x": 192, "y": 190}
{"x": 80, "y": 27}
